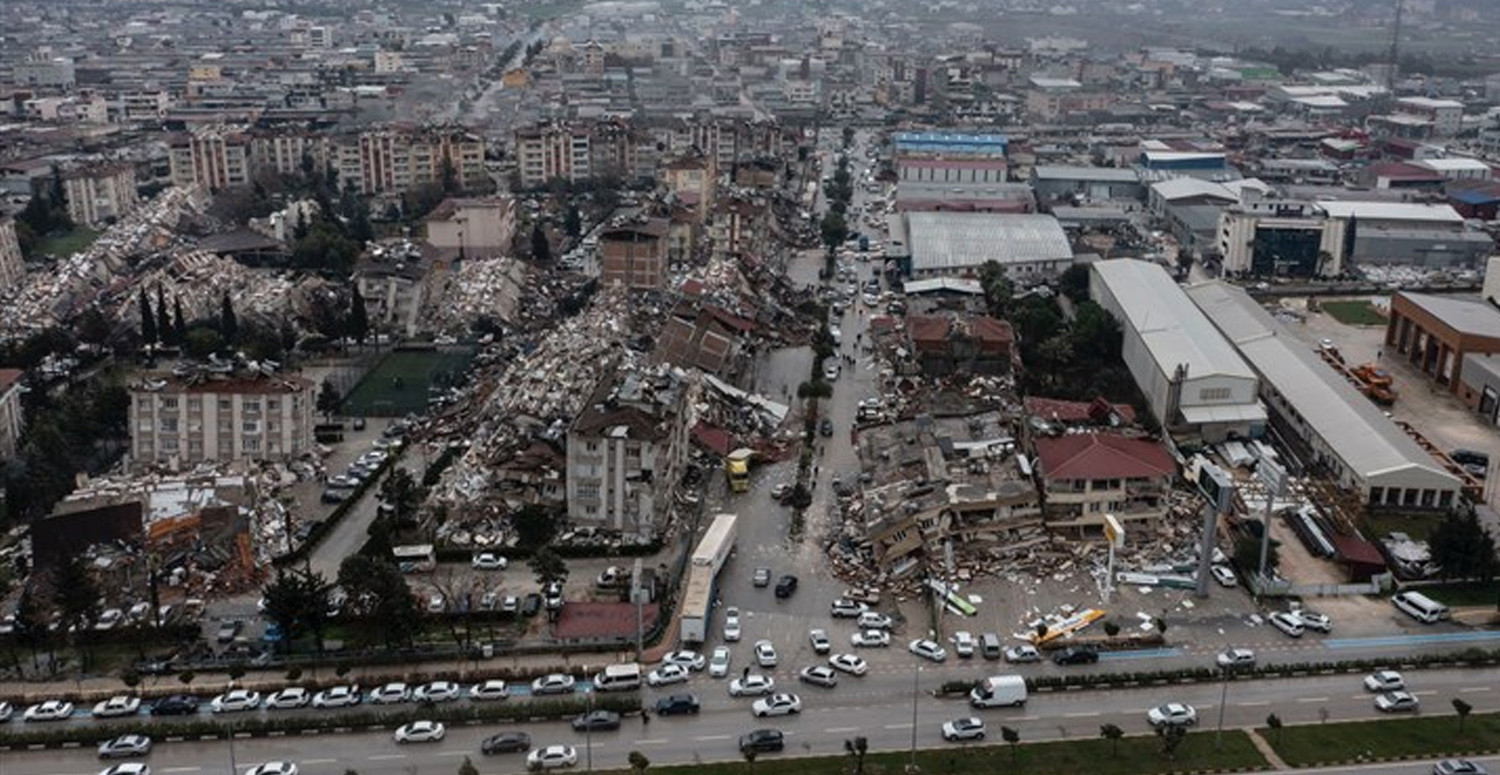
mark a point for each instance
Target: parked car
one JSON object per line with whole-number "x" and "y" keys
{"x": 228, "y": 629}
{"x": 505, "y": 742}
{"x": 1172, "y": 714}
{"x": 1023, "y": 653}
{"x": 1232, "y": 658}
{"x": 437, "y": 691}
{"x": 1224, "y": 575}
{"x": 1313, "y": 620}
{"x": 489, "y": 561}
{"x": 870, "y": 638}
{"x": 337, "y": 697}
{"x": 765, "y": 653}
{"x": 235, "y": 701}
{"x": 125, "y": 746}
{"x": 421, "y": 732}
{"x": 819, "y": 675}
{"x": 119, "y": 705}
{"x": 50, "y": 710}
{"x": 969, "y": 728}
{"x": 873, "y": 620}
{"x": 273, "y": 768}
{"x": 1385, "y": 681}
{"x": 533, "y": 604}
{"x": 1076, "y": 655}
{"x": 731, "y": 624}
{"x": 963, "y": 643}
{"x": 390, "y": 694}
{"x": 128, "y": 768}
{"x": 691, "y": 660}
{"x": 785, "y": 586}
{"x": 819, "y": 641}
{"x": 489, "y": 691}
{"x": 666, "y": 674}
{"x": 288, "y": 698}
{"x": 777, "y": 705}
{"x": 1458, "y": 767}
{"x": 718, "y": 664}
{"x": 844, "y": 608}
{"x": 849, "y": 663}
{"x": 1288, "y": 623}
{"x": 927, "y": 649}
{"x": 762, "y": 577}
{"x": 751, "y": 685}
{"x": 175, "y": 705}
{"x": 677, "y": 704}
{"x": 553, "y": 683}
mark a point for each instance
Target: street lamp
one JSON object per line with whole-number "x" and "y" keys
{"x": 588, "y": 730}
{"x": 1223, "y": 700}
{"x": 916, "y": 678}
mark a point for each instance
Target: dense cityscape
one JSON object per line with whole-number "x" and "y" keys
{"x": 394, "y": 388}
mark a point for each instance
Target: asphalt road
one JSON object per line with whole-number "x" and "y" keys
{"x": 879, "y": 707}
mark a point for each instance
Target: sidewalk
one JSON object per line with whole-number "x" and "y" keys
{"x": 1266, "y": 750}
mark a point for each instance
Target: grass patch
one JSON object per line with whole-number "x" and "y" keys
{"x": 1465, "y": 594}
{"x": 398, "y": 385}
{"x": 75, "y": 241}
{"x": 1420, "y": 736}
{"x": 1135, "y": 756}
{"x": 1419, "y": 528}
{"x": 1354, "y": 313}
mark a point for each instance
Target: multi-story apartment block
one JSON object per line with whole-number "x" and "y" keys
{"x": 220, "y": 417}
{"x": 1087, "y": 475}
{"x": 214, "y": 157}
{"x": 625, "y": 451}
{"x": 42, "y": 70}
{"x": 552, "y": 151}
{"x": 12, "y": 268}
{"x": 395, "y": 159}
{"x": 475, "y": 227}
{"x": 144, "y": 106}
{"x": 100, "y": 195}
{"x": 635, "y": 254}
{"x": 12, "y": 419}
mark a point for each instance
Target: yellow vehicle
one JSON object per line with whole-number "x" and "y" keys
{"x": 737, "y": 468}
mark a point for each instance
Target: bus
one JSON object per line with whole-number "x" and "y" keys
{"x": 415, "y": 558}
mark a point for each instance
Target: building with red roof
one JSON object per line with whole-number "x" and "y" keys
{"x": 1087, "y": 475}
{"x": 944, "y": 344}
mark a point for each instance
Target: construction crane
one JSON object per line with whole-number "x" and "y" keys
{"x": 1395, "y": 53}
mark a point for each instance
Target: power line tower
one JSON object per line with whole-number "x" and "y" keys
{"x": 1395, "y": 53}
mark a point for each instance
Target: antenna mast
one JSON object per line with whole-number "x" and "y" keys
{"x": 1395, "y": 55}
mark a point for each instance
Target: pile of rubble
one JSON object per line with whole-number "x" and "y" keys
{"x": 488, "y": 287}
{"x": 52, "y": 297}
{"x": 199, "y": 280}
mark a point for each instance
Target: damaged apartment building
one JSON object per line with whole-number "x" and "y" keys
{"x": 627, "y": 448}
{"x": 946, "y": 481}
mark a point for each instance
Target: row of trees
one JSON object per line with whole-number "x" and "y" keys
{"x": 45, "y": 214}
{"x": 81, "y": 429}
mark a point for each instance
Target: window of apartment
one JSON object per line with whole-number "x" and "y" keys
{"x": 252, "y": 404}
{"x": 588, "y": 492}
{"x": 195, "y": 448}
{"x": 225, "y": 405}
{"x": 143, "y": 403}
{"x": 169, "y": 402}
{"x": 592, "y": 446}
{"x": 1213, "y": 394}
{"x": 1377, "y": 494}
{"x": 169, "y": 425}
{"x": 250, "y": 445}
{"x": 250, "y": 426}
{"x": 273, "y": 404}
{"x": 195, "y": 404}
{"x": 168, "y": 444}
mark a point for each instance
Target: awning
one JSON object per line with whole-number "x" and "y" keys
{"x": 1207, "y": 415}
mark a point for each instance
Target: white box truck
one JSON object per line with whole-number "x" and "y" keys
{"x": 999, "y": 691}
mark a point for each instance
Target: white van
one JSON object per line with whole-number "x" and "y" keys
{"x": 1420, "y": 607}
{"x": 619, "y": 678}
{"x": 999, "y": 690}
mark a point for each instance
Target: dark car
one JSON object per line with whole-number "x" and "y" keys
{"x": 762, "y": 740}
{"x": 532, "y": 604}
{"x": 1076, "y": 655}
{"x": 1469, "y": 457}
{"x": 596, "y": 720}
{"x": 175, "y": 705}
{"x": 506, "y": 742}
{"x": 676, "y": 704}
{"x": 825, "y": 428}
{"x": 786, "y": 585}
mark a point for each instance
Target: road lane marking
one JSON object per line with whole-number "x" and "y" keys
{"x": 384, "y": 757}
{"x": 1081, "y": 715}
{"x": 181, "y": 769}
{"x": 653, "y": 741}
{"x": 1427, "y": 693}
{"x": 1260, "y": 704}
{"x": 898, "y": 726}
{"x": 1473, "y": 689}
{"x": 453, "y": 753}
{"x": 320, "y": 761}
{"x": 708, "y": 738}
{"x": 839, "y": 730}
{"x": 1312, "y": 699}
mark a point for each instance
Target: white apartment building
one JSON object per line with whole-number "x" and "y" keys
{"x": 12, "y": 267}
{"x": 183, "y": 422}
{"x": 544, "y": 153}
{"x": 100, "y": 195}
{"x": 12, "y": 419}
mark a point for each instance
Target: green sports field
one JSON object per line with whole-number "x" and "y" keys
{"x": 398, "y": 384}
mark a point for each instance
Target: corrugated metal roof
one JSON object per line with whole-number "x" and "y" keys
{"x": 1391, "y": 211}
{"x": 1173, "y": 330}
{"x": 1103, "y": 174}
{"x": 1367, "y": 441}
{"x": 941, "y": 240}
{"x": 1475, "y": 318}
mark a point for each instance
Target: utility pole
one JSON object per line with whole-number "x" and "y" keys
{"x": 916, "y": 678}
{"x": 1395, "y": 53}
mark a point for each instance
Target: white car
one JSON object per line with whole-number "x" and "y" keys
{"x": 1236, "y": 658}
{"x": 125, "y": 745}
{"x": 1313, "y": 620}
{"x": 109, "y": 619}
{"x": 751, "y": 685}
{"x": 390, "y": 694}
{"x": 121, "y": 705}
{"x": 1173, "y": 714}
{"x": 969, "y": 728}
{"x": 1396, "y": 702}
{"x": 127, "y": 768}
{"x": 337, "y": 697}
{"x": 844, "y": 608}
{"x": 489, "y": 691}
{"x": 874, "y": 620}
{"x": 765, "y": 653}
{"x": 691, "y": 660}
{"x": 777, "y": 705}
{"x": 731, "y": 625}
{"x": 668, "y": 674}
{"x": 849, "y": 663}
{"x": 819, "y": 675}
{"x": 552, "y": 757}
{"x": 1384, "y": 681}
{"x": 819, "y": 641}
{"x": 437, "y": 691}
{"x": 489, "y": 561}
{"x": 553, "y": 683}
{"x": 51, "y": 710}
{"x": 963, "y": 643}
{"x": 288, "y": 698}
{"x": 1224, "y": 575}
{"x": 235, "y": 701}
{"x": 718, "y": 664}
{"x": 870, "y": 638}
{"x": 421, "y": 732}
{"x": 1023, "y": 653}
{"x": 927, "y": 649}
{"x": 274, "y": 768}
{"x": 6, "y": 710}
{"x": 1287, "y": 622}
